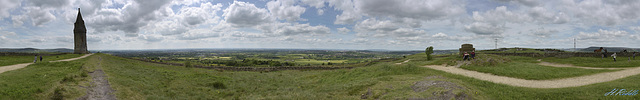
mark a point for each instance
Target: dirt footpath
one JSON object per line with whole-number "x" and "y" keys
{"x": 556, "y": 83}
{"x": 403, "y": 62}
{"x": 100, "y": 88}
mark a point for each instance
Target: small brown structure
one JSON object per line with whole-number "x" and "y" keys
{"x": 79, "y": 36}
{"x": 466, "y": 48}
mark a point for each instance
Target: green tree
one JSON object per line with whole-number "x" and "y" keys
{"x": 429, "y": 51}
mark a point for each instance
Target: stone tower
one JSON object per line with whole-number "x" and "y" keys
{"x": 79, "y": 36}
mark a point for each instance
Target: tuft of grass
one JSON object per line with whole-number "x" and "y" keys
{"x": 57, "y": 94}
{"x": 217, "y": 85}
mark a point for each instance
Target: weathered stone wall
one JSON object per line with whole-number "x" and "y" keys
{"x": 565, "y": 54}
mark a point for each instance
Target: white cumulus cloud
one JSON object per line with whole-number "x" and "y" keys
{"x": 285, "y": 10}
{"x": 242, "y": 14}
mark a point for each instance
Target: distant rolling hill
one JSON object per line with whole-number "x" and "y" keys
{"x": 34, "y": 50}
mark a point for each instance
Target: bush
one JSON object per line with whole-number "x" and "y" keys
{"x": 57, "y": 94}
{"x": 187, "y": 64}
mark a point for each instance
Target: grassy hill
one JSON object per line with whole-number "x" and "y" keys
{"x": 133, "y": 79}
{"x": 44, "y": 81}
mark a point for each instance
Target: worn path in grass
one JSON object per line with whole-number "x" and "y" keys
{"x": 569, "y": 65}
{"x": 555, "y": 83}
{"x": 18, "y": 66}
{"x": 403, "y": 62}
{"x": 100, "y": 88}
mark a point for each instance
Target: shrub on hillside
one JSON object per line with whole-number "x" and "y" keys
{"x": 187, "y": 64}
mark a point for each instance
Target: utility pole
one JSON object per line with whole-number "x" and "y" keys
{"x": 496, "y": 43}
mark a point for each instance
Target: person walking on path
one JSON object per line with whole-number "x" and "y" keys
{"x": 634, "y": 55}
{"x": 35, "y": 58}
{"x": 40, "y": 58}
{"x": 614, "y": 57}
{"x": 605, "y": 53}
{"x": 473, "y": 54}
{"x": 601, "y": 53}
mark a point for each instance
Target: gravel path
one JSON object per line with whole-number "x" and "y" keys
{"x": 556, "y": 83}
{"x": 569, "y": 65}
{"x": 18, "y": 66}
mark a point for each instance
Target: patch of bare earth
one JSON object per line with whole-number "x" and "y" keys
{"x": 100, "y": 88}
{"x": 447, "y": 92}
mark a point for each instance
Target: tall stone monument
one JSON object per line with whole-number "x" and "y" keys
{"x": 466, "y": 48}
{"x": 79, "y": 36}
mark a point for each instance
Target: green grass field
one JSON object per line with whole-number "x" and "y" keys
{"x": 11, "y": 60}
{"x": 596, "y": 61}
{"x": 141, "y": 80}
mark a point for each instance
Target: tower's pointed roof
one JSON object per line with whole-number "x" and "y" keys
{"x": 79, "y": 19}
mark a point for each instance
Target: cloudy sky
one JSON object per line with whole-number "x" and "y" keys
{"x": 321, "y": 24}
